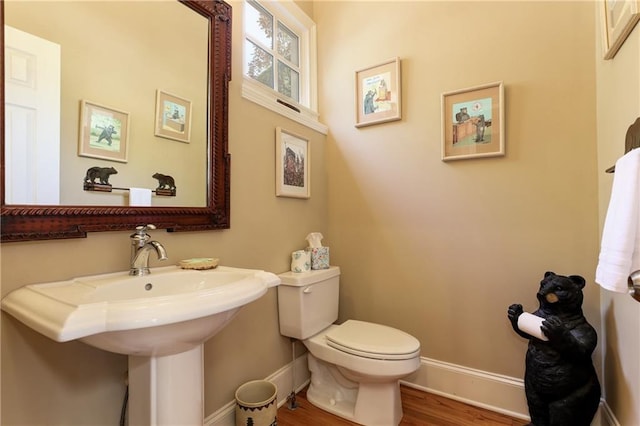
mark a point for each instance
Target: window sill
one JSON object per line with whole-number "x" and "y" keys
{"x": 300, "y": 114}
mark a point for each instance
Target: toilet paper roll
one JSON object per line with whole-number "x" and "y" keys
{"x": 140, "y": 197}
{"x": 300, "y": 261}
{"x": 530, "y": 324}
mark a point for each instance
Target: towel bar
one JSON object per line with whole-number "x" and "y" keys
{"x": 99, "y": 187}
{"x": 634, "y": 285}
{"x": 631, "y": 141}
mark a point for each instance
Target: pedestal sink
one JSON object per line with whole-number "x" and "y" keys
{"x": 159, "y": 320}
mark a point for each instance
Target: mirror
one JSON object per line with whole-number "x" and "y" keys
{"x": 99, "y": 86}
{"x": 36, "y": 222}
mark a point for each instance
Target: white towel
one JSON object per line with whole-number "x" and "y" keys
{"x": 139, "y": 197}
{"x": 620, "y": 246}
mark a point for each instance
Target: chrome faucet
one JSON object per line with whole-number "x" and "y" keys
{"x": 140, "y": 248}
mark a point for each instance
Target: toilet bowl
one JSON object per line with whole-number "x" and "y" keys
{"x": 360, "y": 387}
{"x": 355, "y": 366}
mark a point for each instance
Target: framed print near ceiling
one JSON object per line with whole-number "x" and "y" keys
{"x": 618, "y": 17}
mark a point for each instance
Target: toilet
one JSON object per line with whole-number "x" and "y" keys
{"x": 356, "y": 366}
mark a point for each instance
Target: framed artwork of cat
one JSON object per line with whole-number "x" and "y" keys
{"x": 473, "y": 122}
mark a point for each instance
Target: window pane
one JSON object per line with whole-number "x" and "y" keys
{"x": 258, "y": 64}
{"x": 288, "y": 82}
{"x": 288, "y": 44}
{"x": 258, "y": 23}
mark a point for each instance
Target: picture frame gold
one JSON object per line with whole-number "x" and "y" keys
{"x": 473, "y": 122}
{"x": 173, "y": 117}
{"x": 104, "y": 132}
{"x": 379, "y": 93}
{"x": 618, "y": 19}
{"x": 293, "y": 165}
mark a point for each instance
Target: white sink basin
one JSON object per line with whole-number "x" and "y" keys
{"x": 172, "y": 310}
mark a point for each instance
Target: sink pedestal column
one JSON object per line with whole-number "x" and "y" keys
{"x": 166, "y": 390}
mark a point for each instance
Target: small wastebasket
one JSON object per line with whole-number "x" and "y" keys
{"x": 256, "y": 404}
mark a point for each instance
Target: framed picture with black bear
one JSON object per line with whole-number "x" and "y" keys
{"x": 378, "y": 93}
{"x": 104, "y": 132}
{"x": 473, "y": 122}
{"x": 173, "y": 117}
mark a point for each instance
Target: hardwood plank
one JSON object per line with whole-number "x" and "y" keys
{"x": 420, "y": 409}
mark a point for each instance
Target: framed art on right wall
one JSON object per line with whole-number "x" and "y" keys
{"x": 618, "y": 18}
{"x": 473, "y": 122}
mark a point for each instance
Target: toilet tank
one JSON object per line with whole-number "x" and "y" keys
{"x": 308, "y": 301}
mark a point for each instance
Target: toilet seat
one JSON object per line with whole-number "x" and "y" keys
{"x": 374, "y": 341}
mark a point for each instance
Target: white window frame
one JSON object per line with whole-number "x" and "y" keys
{"x": 306, "y": 111}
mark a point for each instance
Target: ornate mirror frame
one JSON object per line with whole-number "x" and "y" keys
{"x": 31, "y": 222}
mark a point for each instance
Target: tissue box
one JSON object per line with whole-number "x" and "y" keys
{"x": 319, "y": 257}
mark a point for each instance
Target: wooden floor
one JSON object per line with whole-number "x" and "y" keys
{"x": 420, "y": 409}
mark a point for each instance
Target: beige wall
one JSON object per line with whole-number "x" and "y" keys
{"x": 441, "y": 249}
{"x": 44, "y": 382}
{"x": 618, "y": 106}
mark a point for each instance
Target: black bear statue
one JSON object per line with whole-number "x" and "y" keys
{"x": 100, "y": 173}
{"x": 560, "y": 381}
{"x": 165, "y": 181}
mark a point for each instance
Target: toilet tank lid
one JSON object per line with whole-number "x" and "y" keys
{"x": 299, "y": 279}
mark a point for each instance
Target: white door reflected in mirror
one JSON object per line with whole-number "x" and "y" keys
{"x": 32, "y": 119}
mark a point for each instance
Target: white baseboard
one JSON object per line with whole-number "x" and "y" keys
{"x": 606, "y": 416}
{"x": 494, "y": 392}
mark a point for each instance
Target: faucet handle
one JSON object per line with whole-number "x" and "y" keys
{"x": 141, "y": 232}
